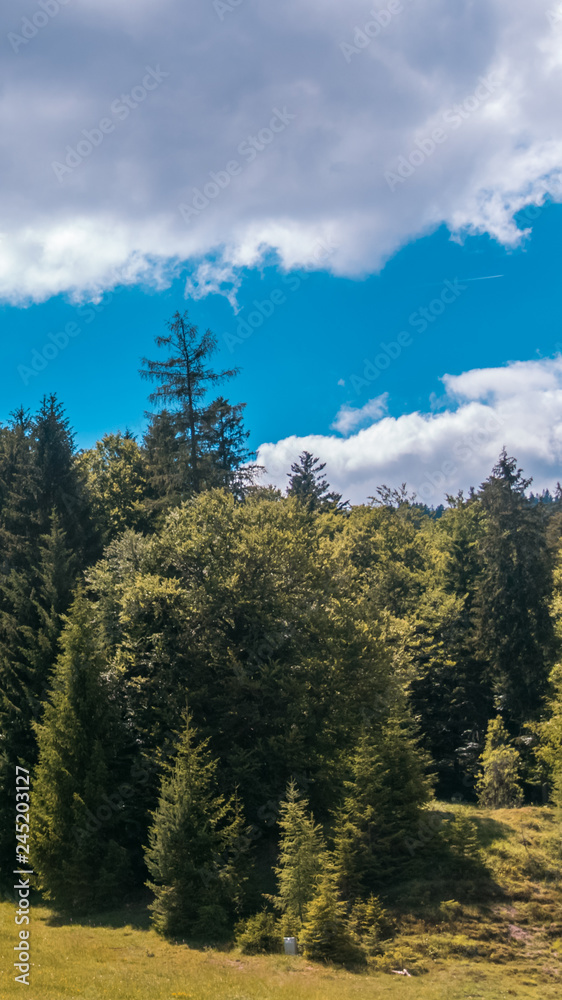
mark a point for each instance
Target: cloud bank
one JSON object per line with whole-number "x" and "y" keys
{"x": 137, "y": 137}
{"x": 519, "y": 406}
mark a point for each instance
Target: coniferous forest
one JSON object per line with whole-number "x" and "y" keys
{"x": 234, "y": 701}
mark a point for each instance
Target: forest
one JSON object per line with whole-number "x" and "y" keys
{"x": 235, "y": 701}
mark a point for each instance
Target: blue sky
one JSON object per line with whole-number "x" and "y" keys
{"x": 341, "y": 175}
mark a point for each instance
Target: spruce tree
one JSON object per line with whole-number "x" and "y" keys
{"x": 45, "y": 535}
{"x": 514, "y": 628}
{"x": 302, "y": 855}
{"x": 198, "y": 852}
{"x": 381, "y": 809}
{"x": 498, "y": 786}
{"x": 309, "y": 486}
{"x": 81, "y": 836}
{"x": 326, "y": 935}
{"x": 224, "y": 455}
{"x": 167, "y": 461}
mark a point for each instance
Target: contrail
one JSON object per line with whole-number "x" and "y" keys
{"x": 486, "y": 277}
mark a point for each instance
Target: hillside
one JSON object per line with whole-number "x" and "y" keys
{"x": 491, "y": 935}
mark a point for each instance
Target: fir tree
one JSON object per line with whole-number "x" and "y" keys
{"x": 197, "y": 853}
{"x": 81, "y": 838}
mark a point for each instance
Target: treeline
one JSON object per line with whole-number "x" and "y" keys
{"x": 244, "y": 698}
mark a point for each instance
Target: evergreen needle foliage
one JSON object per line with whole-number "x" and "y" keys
{"x": 197, "y": 854}
{"x": 498, "y": 786}
{"x": 326, "y": 935}
{"x": 302, "y": 856}
{"x": 81, "y": 842}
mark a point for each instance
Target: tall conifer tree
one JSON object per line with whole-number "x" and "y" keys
{"x": 197, "y": 853}
{"x": 81, "y": 835}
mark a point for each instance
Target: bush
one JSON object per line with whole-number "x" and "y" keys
{"x": 259, "y": 934}
{"x": 451, "y": 910}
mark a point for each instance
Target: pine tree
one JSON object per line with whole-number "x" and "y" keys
{"x": 302, "y": 855}
{"x": 81, "y": 837}
{"x": 309, "y": 486}
{"x": 514, "y": 628}
{"x": 381, "y": 809}
{"x": 184, "y": 380}
{"x": 197, "y": 853}
{"x": 498, "y": 786}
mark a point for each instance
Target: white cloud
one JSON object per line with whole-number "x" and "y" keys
{"x": 519, "y": 406}
{"x": 350, "y": 417}
{"x": 114, "y": 217}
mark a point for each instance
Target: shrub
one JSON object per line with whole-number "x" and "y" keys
{"x": 259, "y": 934}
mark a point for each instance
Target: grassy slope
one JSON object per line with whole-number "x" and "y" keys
{"x": 498, "y": 937}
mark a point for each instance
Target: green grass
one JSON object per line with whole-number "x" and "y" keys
{"x": 495, "y": 935}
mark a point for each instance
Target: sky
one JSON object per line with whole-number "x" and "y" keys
{"x": 362, "y": 203}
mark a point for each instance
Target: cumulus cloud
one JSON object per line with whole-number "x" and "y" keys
{"x": 350, "y": 417}
{"x": 137, "y": 137}
{"x": 519, "y": 406}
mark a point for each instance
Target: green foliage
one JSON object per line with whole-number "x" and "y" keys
{"x": 46, "y": 536}
{"x": 200, "y": 443}
{"x": 81, "y": 839}
{"x": 514, "y": 627}
{"x": 381, "y": 809}
{"x": 549, "y": 751}
{"x": 325, "y": 935}
{"x": 309, "y": 486}
{"x": 115, "y": 476}
{"x": 302, "y": 857}
{"x": 197, "y": 854}
{"x": 370, "y": 923}
{"x": 498, "y": 787}
{"x": 260, "y": 935}
{"x": 463, "y": 852}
